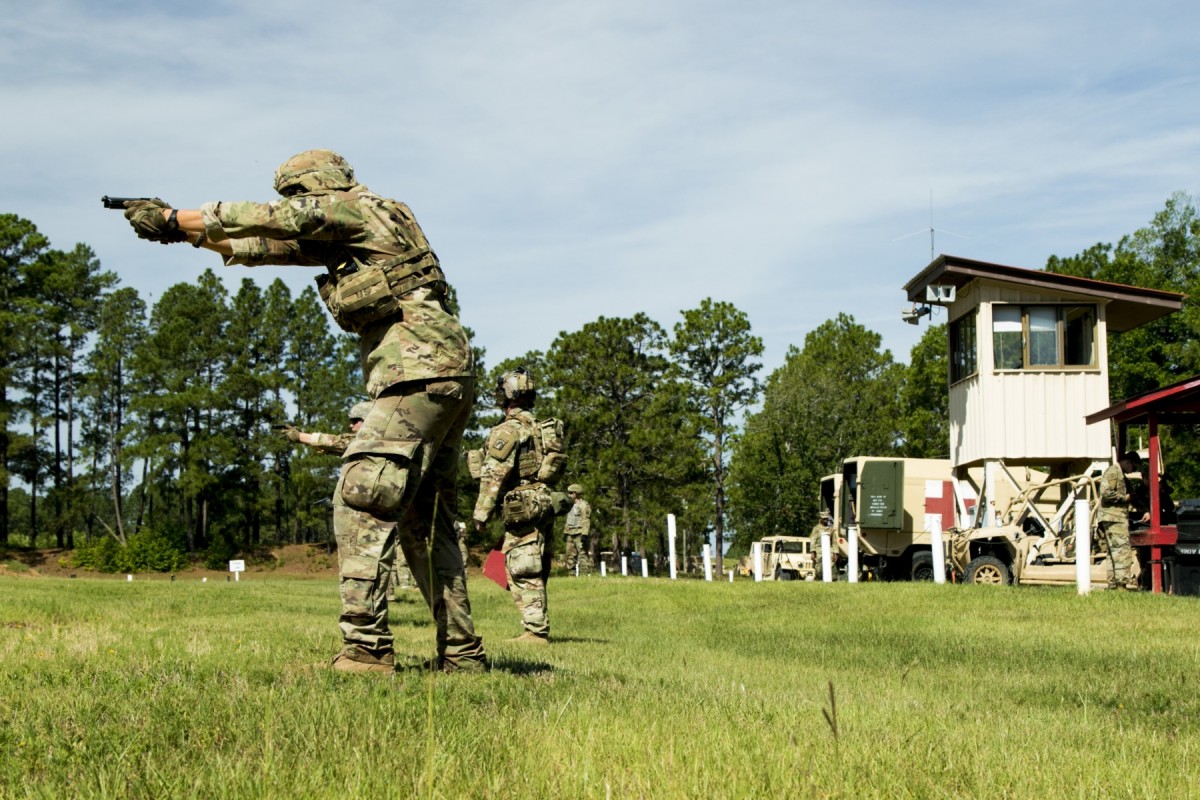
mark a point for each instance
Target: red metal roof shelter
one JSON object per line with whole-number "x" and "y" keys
{"x": 1179, "y": 402}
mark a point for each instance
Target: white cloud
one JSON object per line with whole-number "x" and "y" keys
{"x": 581, "y": 159}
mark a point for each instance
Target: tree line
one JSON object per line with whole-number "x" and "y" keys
{"x": 119, "y": 420}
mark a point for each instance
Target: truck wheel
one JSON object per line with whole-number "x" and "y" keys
{"x": 784, "y": 574}
{"x": 988, "y": 570}
{"x": 922, "y": 566}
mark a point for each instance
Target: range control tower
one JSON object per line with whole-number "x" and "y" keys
{"x": 1028, "y": 361}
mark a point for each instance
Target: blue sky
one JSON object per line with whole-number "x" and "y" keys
{"x": 573, "y": 160}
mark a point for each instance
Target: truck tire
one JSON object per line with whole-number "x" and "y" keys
{"x": 922, "y": 566}
{"x": 782, "y": 574}
{"x": 987, "y": 570}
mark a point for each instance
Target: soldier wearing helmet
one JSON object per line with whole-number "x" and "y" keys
{"x": 382, "y": 281}
{"x": 335, "y": 444}
{"x": 577, "y": 532}
{"x": 511, "y": 481}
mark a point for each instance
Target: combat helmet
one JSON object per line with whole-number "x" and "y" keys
{"x": 574, "y": 488}
{"x": 313, "y": 171}
{"x": 360, "y": 410}
{"x": 515, "y": 386}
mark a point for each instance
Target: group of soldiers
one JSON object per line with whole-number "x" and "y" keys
{"x": 397, "y": 489}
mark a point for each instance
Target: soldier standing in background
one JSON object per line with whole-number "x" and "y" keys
{"x": 521, "y": 461}
{"x": 1116, "y": 501}
{"x": 576, "y": 531}
{"x": 822, "y": 527}
{"x": 336, "y": 444}
{"x": 384, "y": 284}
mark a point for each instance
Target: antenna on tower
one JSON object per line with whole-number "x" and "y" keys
{"x": 930, "y": 230}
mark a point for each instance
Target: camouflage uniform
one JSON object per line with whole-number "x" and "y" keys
{"x": 576, "y": 531}
{"x": 526, "y": 545}
{"x": 400, "y": 577}
{"x": 1113, "y": 520}
{"x": 384, "y": 284}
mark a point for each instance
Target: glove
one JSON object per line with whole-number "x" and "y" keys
{"x": 289, "y": 432}
{"x": 148, "y": 221}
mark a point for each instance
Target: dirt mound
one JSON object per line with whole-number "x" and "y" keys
{"x": 313, "y": 560}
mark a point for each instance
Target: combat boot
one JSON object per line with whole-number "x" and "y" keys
{"x": 528, "y": 637}
{"x": 465, "y": 665}
{"x": 354, "y": 659}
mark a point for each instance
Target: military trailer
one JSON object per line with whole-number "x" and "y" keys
{"x": 894, "y": 503}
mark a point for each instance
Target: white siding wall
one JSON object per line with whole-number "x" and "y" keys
{"x": 1026, "y": 414}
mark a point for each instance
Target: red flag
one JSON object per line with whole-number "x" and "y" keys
{"x": 495, "y": 569}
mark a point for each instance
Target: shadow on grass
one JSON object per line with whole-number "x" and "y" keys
{"x": 578, "y": 640}
{"x": 516, "y": 667}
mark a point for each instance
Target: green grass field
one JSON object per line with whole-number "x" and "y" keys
{"x": 159, "y": 689}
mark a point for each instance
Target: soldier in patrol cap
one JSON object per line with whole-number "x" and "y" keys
{"x": 382, "y": 282}
{"x": 512, "y": 480}
{"x": 576, "y": 532}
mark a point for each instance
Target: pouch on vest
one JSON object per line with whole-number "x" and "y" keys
{"x": 365, "y": 297}
{"x": 552, "y": 443}
{"x": 525, "y": 504}
{"x": 560, "y": 503}
{"x": 327, "y": 288}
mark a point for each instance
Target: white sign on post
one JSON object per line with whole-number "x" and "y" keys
{"x": 237, "y": 567}
{"x": 826, "y": 558}
{"x": 671, "y": 542}
{"x": 1083, "y": 546}
{"x": 852, "y": 554}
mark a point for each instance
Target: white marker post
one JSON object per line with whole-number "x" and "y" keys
{"x": 938, "y": 550}
{"x": 671, "y": 542}
{"x": 128, "y": 578}
{"x": 625, "y": 565}
{"x": 707, "y": 563}
{"x": 603, "y": 568}
{"x": 645, "y": 568}
{"x": 852, "y": 546}
{"x": 731, "y": 576}
{"x": 826, "y": 557}
{"x": 237, "y": 568}
{"x": 1083, "y": 546}
{"x": 756, "y": 560}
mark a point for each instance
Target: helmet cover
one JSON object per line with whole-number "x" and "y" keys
{"x": 313, "y": 171}
{"x": 515, "y": 386}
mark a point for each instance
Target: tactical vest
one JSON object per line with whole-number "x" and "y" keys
{"x": 359, "y": 293}
{"x": 544, "y": 457}
{"x": 541, "y": 463}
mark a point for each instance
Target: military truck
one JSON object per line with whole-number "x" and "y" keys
{"x": 787, "y": 558}
{"x": 1033, "y": 546}
{"x": 894, "y": 502}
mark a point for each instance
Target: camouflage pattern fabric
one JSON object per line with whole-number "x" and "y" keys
{"x": 332, "y": 443}
{"x": 342, "y": 230}
{"x": 527, "y": 561}
{"x": 526, "y": 551}
{"x": 403, "y": 462}
{"x": 418, "y": 367}
{"x": 575, "y": 553}
{"x": 401, "y": 578}
{"x": 576, "y": 530}
{"x": 1114, "y": 525}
